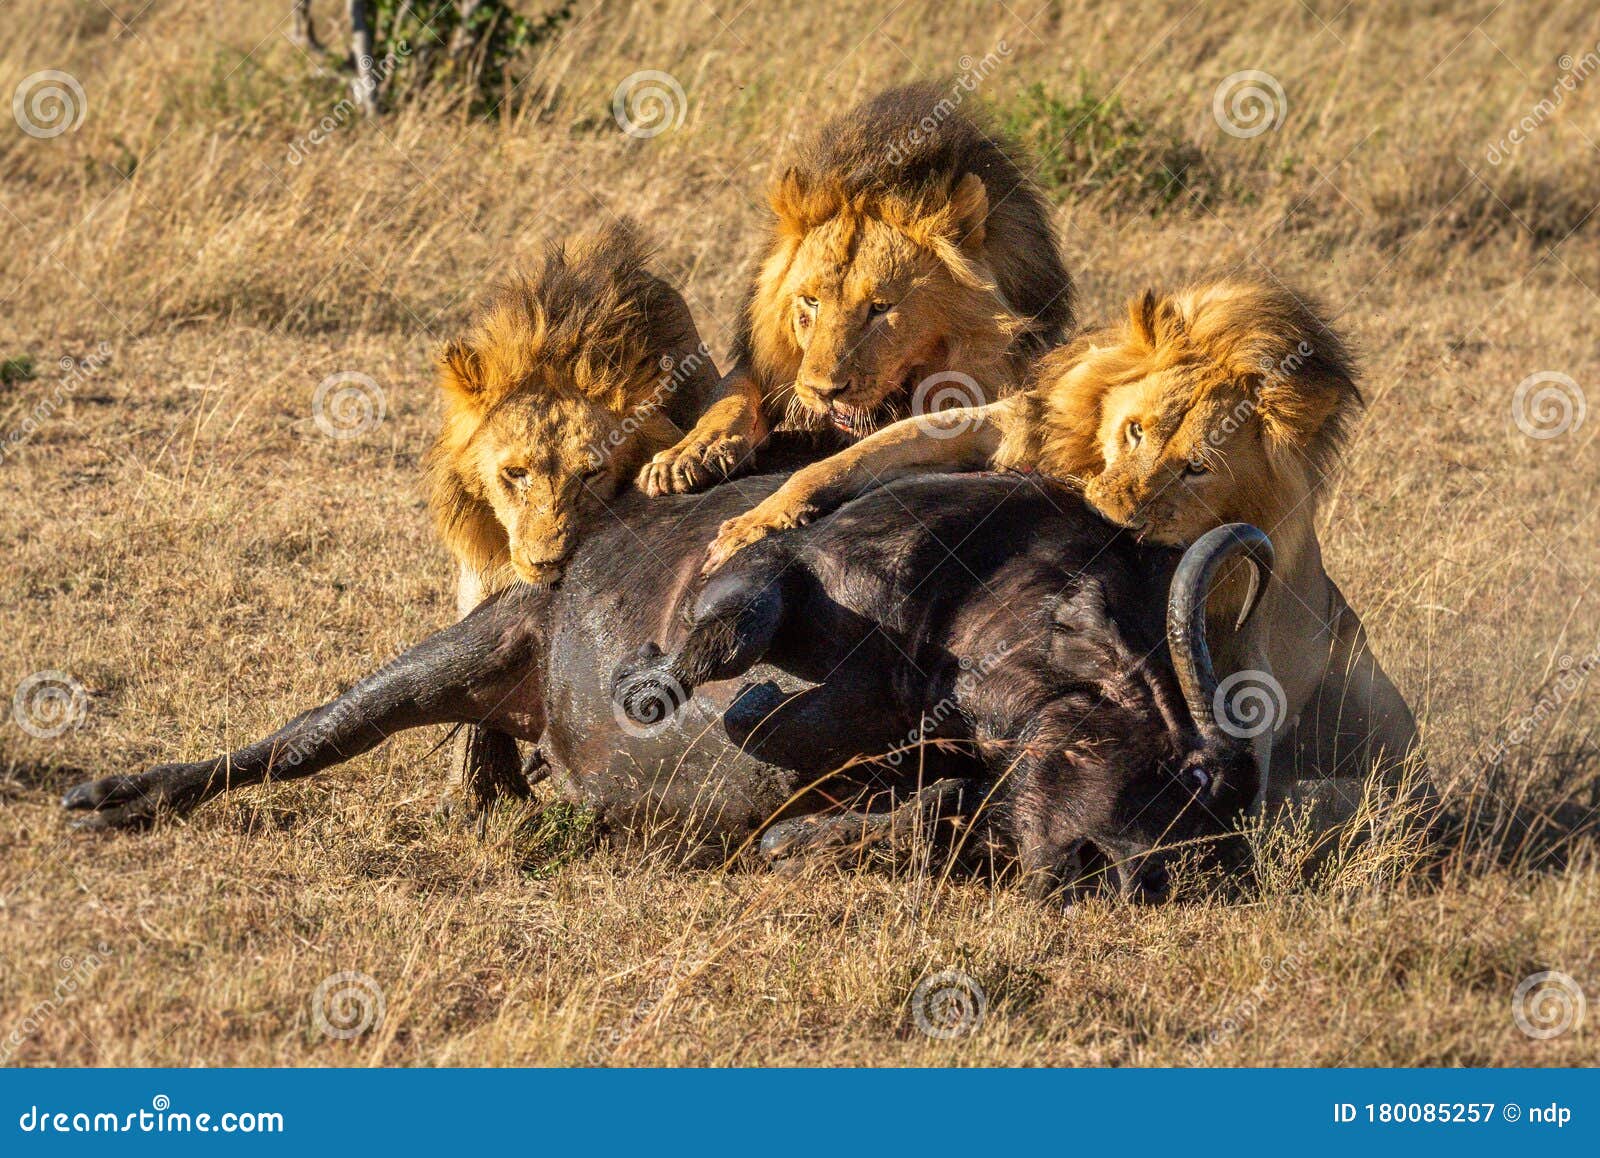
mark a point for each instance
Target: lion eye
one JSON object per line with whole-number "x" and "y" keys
{"x": 1135, "y": 434}
{"x": 1199, "y": 779}
{"x": 809, "y": 303}
{"x": 1195, "y": 469}
{"x": 514, "y": 476}
{"x": 878, "y": 309}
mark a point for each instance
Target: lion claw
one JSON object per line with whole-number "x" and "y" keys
{"x": 694, "y": 465}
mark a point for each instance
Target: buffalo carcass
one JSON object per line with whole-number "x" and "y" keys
{"x": 986, "y": 637}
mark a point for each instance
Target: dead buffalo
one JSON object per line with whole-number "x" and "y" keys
{"x": 985, "y": 640}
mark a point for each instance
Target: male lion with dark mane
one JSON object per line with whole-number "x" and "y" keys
{"x": 908, "y": 247}
{"x": 566, "y": 384}
{"x": 1228, "y": 401}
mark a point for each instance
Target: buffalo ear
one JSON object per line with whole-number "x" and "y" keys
{"x": 461, "y": 373}
{"x": 969, "y": 213}
{"x": 1083, "y": 637}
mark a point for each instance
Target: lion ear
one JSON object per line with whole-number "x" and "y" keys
{"x": 969, "y": 213}
{"x": 461, "y": 373}
{"x": 1154, "y": 319}
{"x": 789, "y": 202}
{"x": 1142, "y": 317}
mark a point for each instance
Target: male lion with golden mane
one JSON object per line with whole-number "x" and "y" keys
{"x": 1225, "y": 402}
{"x": 566, "y": 384}
{"x": 908, "y": 249}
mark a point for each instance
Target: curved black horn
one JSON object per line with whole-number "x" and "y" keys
{"x": 1186, "y": 609}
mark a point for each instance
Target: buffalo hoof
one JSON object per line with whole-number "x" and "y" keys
{"x": 843, "y": 836}
{"x": 136, "y": 801}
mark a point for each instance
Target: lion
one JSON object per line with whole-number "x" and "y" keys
{"x": 1227, "y": 401}
{"x": 566, "y": 384}
{"x": 911, "y": 262}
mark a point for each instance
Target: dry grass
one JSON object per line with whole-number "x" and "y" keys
{"x": 184, "y": 541}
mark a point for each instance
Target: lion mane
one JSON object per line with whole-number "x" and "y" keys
{"x": 911, "y": 159}
{"x": 592, "y": 326}
{"x": 1258, "y": 348}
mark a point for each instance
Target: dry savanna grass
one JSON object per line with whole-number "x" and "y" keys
{"x": 218, "y": 236}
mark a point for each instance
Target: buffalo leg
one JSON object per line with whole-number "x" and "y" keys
{"x": 731, "y": 625}
{"x": 484, "y": 763}
{"x": 473, "y": 672}
{"x": 850, "y": 835}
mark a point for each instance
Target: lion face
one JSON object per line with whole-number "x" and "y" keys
{"x": 547, "y": 465}
{"x": 861, "y": 299}
{"x": 1183, "y": 453}
{"x": 866, "y": 307}
{"x": 1224, "y": 402}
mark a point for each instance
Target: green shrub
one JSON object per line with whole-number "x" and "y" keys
{"x": 1089, "y": 143}
{"x": 469, "y": 49}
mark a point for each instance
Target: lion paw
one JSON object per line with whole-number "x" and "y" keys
{"x": 751, "y": 527}
{"x": 697, "y": 462}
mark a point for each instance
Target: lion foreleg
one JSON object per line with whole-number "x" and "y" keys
{"x": 948, "y": 442}
{"x": 720, "y": 444}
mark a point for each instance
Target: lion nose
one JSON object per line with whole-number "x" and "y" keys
{"x": 828, "y": 391}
